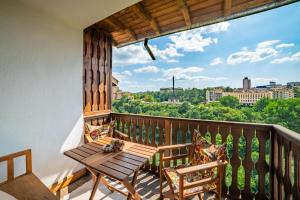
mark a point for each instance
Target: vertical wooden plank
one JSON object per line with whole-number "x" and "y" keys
{"x": 134, "y": 122}
{"x": 236, "y": 133}
{"x": 213, "y": 130}
{"x": 247, "y": 162}
{"x": 140, "y": 124}
{"x": 153, "y": 124}
{"x": 88, "y": 71}
{"x": 10, "y": 169}
{"x": 168, "y": 138}
{"x": 224, "y": 131}
{"x": 174, "y": 138}
{"x": 101, "y": 70}
{"x": 262, "y": 166}
{"x": 95, "y": 72}
{"x": 28, "y": 162}
{"x": 184, "y": 129}
{"x": 109, "y": 73}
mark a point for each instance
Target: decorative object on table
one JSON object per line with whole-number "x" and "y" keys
{"x": 114, "y": 146}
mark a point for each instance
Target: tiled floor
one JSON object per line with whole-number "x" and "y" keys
{"x": 147, "y": 186}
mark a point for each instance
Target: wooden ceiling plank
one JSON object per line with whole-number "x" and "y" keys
{"x": 141, "y": 11}
{"x": 185, "y": 12}
{"x": 115, "y": 22}
{"x": 227, "y": 7}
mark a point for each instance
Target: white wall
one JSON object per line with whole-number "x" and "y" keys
{"x": 40, "y": 88}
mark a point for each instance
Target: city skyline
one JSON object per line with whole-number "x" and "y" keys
{"x": 217, "y": 55}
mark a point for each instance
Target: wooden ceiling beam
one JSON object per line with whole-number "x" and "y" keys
{"x": 141, "y": 11}
{"x": 227, "y": 7}
{"x": 185, "y": 12}
{"x": 120, "y": 26}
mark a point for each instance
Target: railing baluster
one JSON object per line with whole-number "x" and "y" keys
{"x": 281, "y": 174}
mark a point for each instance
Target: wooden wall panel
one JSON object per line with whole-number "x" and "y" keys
{"x": 97, "y": 71}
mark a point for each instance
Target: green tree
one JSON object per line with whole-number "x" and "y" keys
{"x": 229, "y": 101}
{"x": 297, "y": 92}
{"x": 183, "y": 108}
{"x": 261, "y": 104}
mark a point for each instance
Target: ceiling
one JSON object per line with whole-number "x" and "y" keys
{"x": 79, "y": 13}
{"x": 153, "y": 18}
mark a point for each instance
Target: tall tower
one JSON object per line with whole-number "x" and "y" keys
{"x": 246, "y": 83}
{"x": 173, "y": 87}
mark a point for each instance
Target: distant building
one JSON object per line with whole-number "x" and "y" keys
{"x": 248, "y": 97}
{"x": 214, "y": 94}
{"x": 252, "y": 95}
{"x": 293, "y": 84}
{"x": 116, "y": 92}
{"x": 170, "y": 89}
{"x": 246, "y": 83}
{"x": 272, "y": 84}
{"x": 282, "y": 93}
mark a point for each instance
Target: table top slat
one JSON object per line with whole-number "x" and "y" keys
{"x": 118, "y": 168}
{"x": 124, "y": 164}
{"x": 133, "y": 157}
{"x": 129, "y": 160}
{"x": 143, "y": 149}
{"x": 80, "y": 152}
{"x": 110, "y": 172}
{"x": 92, "y": 148}
{"x": 86, "y": 150}
{"x": 74, "y": 155}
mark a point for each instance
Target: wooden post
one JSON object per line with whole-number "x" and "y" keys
{"x": 168, "y": 138}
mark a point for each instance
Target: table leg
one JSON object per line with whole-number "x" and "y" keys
{"x": 130, "y": 187}
{"x": 95, "y": 186}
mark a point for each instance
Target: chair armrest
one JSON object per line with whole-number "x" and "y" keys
{"x": 175, "y": 146}
{"x": 120, "y": 134}
{"x": 202, "y": 167}
{"x": 88, "y": 138}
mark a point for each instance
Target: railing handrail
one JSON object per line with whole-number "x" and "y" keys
{"x": 262, "y": 125}
{"x": 291, "y": 135}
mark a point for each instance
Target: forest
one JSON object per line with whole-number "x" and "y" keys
{"x": 285, "y": 112}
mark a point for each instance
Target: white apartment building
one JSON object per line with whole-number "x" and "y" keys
{"x": 249, "y": 96}
{"x": 282, "y": 93}
{"x": 214, "y": 94}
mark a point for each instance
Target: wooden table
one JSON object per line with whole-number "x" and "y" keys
{"x": 118, "y": 166}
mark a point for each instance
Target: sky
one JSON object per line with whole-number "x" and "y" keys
{"x": 264, "y": 47}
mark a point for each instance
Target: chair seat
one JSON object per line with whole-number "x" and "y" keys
{"x": 174, "y": 177}
{"x": 28, "y": 187}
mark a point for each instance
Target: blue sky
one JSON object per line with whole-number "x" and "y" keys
{"x": 265, "y": 47}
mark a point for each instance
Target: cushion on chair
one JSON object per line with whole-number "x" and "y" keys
{"x": 97, "y": 132}
{"x": 173, "y": 176}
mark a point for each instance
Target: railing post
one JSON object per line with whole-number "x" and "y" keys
{"x": 273, "y": 159}
{"x": 168, "y": 136}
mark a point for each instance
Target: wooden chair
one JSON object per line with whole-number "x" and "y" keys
{"x": 26, "y": 186}
{"x": 182, "y": 187}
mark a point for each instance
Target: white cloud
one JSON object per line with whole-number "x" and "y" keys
{"x": 215, "y": 28}
{"x": 267, "y": 44}
{"x": 264, "y": 50}
{"x": 284, "y": 45}
{"x": 130, "y": 55}
{"x": 128, "y": 73}
{"x": 294, "y": 57}
{"x": 147, "y": 69}
{"x": 136, "y": 54}
{"x": 194, "y": 40}
{"x": 181, "y": 72}
{"x": 216, "y": 61}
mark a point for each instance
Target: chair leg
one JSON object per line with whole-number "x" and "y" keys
{"x": 199, "y": 196}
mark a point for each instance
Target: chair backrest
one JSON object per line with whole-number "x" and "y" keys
{"x": 9, "y": 159}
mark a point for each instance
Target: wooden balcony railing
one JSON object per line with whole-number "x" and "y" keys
{"x": 263, "y": 159}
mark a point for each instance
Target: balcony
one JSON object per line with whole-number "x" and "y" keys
{"x": 263, "y": 158}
